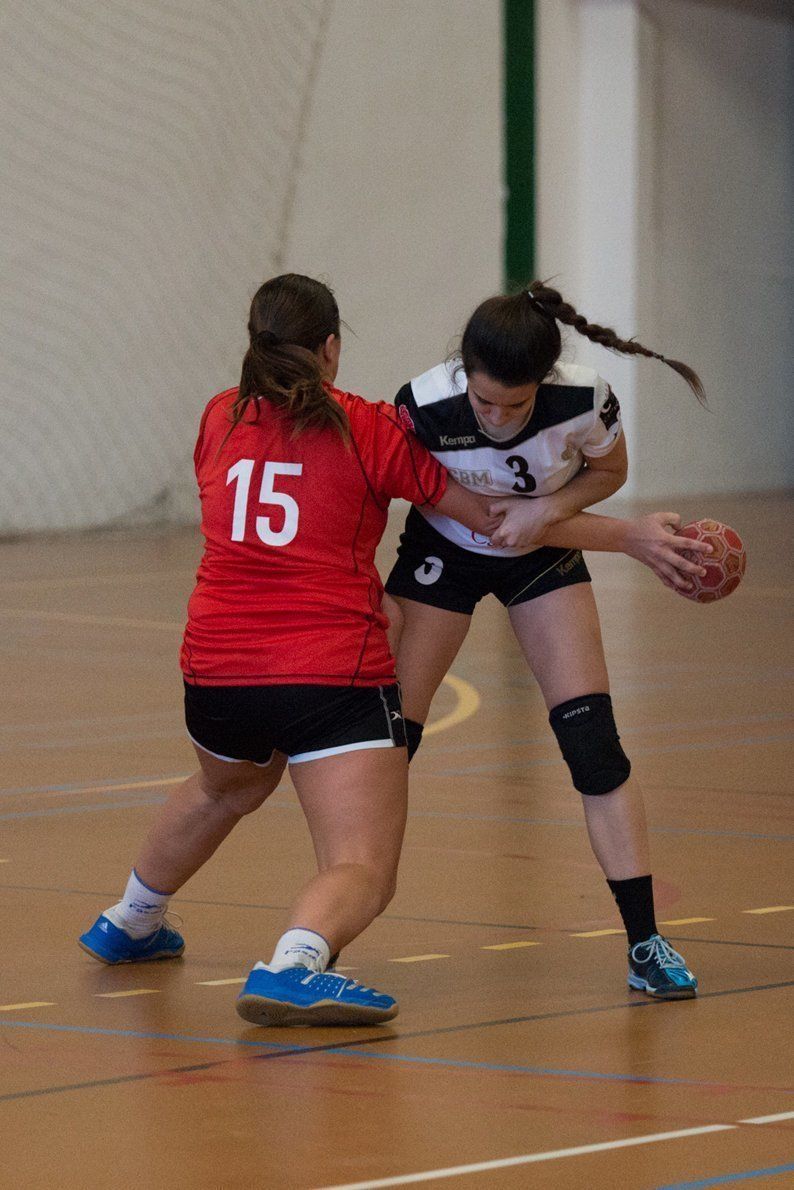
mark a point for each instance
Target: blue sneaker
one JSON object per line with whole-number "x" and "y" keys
{"x": 655, "y": 968}
{"x": 110, "y": 944}
{"x": 298, "y": 996}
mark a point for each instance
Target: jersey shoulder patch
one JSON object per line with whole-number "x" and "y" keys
{"x": 439, "y": 383}
{"x": 435, "y": 406}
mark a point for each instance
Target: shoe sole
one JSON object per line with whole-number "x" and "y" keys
{"x": 259, "y": 1010}
{"x": 149, "y": 958}
{"x": 677, "y": 994}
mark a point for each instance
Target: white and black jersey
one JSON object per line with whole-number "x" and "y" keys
{"x": 575, "y": 416}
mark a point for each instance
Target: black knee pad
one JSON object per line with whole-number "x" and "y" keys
{"x": 590, "y": 744}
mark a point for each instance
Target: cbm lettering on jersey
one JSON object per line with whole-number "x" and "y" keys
{"x": 576, "y": 415}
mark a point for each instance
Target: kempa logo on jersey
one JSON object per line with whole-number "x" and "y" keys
{"x": 465, "y": 440}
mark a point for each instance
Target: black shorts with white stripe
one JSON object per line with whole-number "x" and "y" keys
{"x": 238, "y": 723}
{"x": 429, "y": 569}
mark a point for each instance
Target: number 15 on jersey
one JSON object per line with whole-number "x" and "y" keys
{"x": 241, "y": 474}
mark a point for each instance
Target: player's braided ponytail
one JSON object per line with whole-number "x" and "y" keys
{"x": 516, "y": 339}
{"x": 291, "y": 317}
{"x": 550, "y": 302}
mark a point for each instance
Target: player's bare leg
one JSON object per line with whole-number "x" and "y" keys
{"x": 430, "y": 640}
{"x": 356, "y": 805}
{"x": 199, "y": 814}
{"x": 195, "y": 820}
{"x": 560, "y": 637}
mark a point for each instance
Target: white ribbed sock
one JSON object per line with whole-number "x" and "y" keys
{"x": 300, "y": 948}
{"x": 141, "y": 910}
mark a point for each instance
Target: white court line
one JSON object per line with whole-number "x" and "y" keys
{"x": 531, "y": 1158}
{"x": 784, "y": 1115}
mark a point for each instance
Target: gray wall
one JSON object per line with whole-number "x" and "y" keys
{"x": 665, "y": 209}
{"x": 719, "y": 259}
{"x": 163, "y": 158}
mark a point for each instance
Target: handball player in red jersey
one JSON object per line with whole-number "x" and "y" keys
{"x": 286, "y": 659}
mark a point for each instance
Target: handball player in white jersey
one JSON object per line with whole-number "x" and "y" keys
{"x": 285, "y": 657}
{"x": 507, "y": 418}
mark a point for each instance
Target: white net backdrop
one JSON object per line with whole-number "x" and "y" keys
{"x": 149, "y": 154}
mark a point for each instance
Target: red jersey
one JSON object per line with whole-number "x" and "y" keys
{"x": 287, "y": 590}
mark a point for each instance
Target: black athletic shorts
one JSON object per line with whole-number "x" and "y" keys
{"x": 306, "y": 722}
{"x": 430, "y": 569}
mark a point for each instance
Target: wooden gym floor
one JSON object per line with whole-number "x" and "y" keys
{"x": 519, "y": 1058}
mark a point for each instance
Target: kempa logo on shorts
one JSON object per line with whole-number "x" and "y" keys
{"x": 465, "y": 440}
{"x": 429, "y": 572}
{"x": 395, "y": 715}
{"x": 575, "y": 711}
{"x": 565, "y": 567}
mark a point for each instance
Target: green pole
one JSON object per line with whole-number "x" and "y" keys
{"x": 519, "y": 109}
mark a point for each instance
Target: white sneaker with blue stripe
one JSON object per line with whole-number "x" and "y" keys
{"x": 660, "y": 971}
{"x": 299, "y": 996}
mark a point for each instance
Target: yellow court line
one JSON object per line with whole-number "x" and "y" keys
{"x": 99, "y": 621}
{"x": 31, "y": 1004}
{"x": 685, "y": 921}
{"x": 218, "y": 983}
{"x": 419, "y": 958}
{"x": 597, "y": 933}
{"x": 770, "y": 909}
{"x": 468, "y": 704}
{"x": 130, "y": 785}
{"x": 509, "y": 945}
{"x": 119, "y": 995}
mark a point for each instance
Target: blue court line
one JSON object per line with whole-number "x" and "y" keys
{"x": 58, "y": 811}
{"x": 700, "y": 746}
{"x": 347, "y": 1051}
{"x": 79, "y": 786}
{"x": 722, "y": 1179}
{"x": 96, "y": 807}
{"x": 532, "y": 741}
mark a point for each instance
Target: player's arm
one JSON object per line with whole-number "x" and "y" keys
{"x": 527, "y": 520}
{"x": 469, "y": 509}
{"x": 650, "y": 539}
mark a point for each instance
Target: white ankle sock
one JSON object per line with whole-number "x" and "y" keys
{"x": 300, "y": 948}
{"x": 141, "y": 910}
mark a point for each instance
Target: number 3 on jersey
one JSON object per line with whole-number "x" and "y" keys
{"x": 241, "y": 474}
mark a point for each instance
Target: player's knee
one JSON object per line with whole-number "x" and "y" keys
{"x": 590, "y": 744}
{"x": 388, "y": 888}
{"x": 237, "y": 796}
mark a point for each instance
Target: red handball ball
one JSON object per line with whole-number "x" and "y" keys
{"x": 725, "y": 565}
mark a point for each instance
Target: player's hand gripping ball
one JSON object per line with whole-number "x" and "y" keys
{"x": 724, "y": 566}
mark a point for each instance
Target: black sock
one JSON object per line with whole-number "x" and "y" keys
{"x": 413, "y": 736}
{"x": 635, "y": 902}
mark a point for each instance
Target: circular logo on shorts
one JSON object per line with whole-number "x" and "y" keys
{"x": 429, "y": 572}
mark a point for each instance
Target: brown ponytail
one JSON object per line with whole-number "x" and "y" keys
{"x": 516, "y": 339}
{"x": 551, "y": 302}
{"x": 291, "y": 317}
